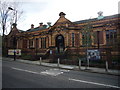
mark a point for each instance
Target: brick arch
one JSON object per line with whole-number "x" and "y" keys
{"x": 59, "y": 42}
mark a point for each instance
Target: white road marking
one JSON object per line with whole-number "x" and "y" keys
{"x": 94, "y": 83}
{"x": 25, "y": 70}
{"x": 64, "y": 70}
{"x": 55, "y": 74}
{"x": 60, "y": 70}
{"x": 52, "y": 72}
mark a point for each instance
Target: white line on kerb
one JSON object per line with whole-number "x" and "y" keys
{"x": 94, "y": 83}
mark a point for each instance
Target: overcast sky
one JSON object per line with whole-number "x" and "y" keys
{"x": 37, "y": 11}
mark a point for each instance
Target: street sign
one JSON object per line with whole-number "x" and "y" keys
{"x": 17, "y": 51}
{"x": 93, "y": 54}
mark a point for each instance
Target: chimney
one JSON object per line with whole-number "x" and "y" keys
{"x": 45, "y": 26}
{"x": 62, "y": 14}
{"x": 49, "y": 24}
{"x": 41, "y": 24}
{"x": 32, "y": 26}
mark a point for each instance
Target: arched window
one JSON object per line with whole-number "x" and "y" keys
{"x": 60, "y": 43}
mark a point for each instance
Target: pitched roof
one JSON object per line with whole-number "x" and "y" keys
{"x": 20, "y": 30}
{"x": 62, "y": 19}
{"x": 95, "y": 19}
{"x": 37, "y": 28}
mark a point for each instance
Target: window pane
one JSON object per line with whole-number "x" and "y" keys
{"x": 73, "y": 36}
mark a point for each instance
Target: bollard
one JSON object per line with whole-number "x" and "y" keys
{"x": 58, "y": 62}
{"x": 40, "y": 60}
{"x": 88, "y": 62}
{"x": 79, "y": 64}
{"x": 106, "y": 66}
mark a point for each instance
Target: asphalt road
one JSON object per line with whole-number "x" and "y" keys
{"x": 21, "y": 75}
{"x": 0, "y": 73}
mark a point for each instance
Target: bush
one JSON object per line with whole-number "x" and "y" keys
{"x": 26, "y": 57}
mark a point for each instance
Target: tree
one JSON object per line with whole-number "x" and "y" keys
{"x": 87, "y": 39}
{"x": 87, "y": 34}
{"x": 10, "y": 13}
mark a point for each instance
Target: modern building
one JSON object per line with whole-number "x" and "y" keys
{"x": 67, "y": 38}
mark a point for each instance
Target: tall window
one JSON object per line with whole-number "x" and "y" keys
{"x": 43, "y": 42}
{"x": 73, "y": 39}
{"x": 111, "y": 36}
{"x": 31, "y": 43}
{"x": 83, "y": 40}
{"x": 24, "y": 44}
{"x": 86, "y": 39}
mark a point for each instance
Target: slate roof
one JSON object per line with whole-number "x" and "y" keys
{"x": 76, "y": 22}
{"x": 21, "y": 31}
{"x": 94, "y": 19}
{"x": 37, "y": 28}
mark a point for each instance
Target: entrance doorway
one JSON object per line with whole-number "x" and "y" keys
{"x": 60, "y": 43}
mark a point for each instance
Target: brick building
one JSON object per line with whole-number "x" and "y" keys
{"x": 68, "y": 38}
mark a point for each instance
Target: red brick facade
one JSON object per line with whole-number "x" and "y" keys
{"x": 40, "y": 40}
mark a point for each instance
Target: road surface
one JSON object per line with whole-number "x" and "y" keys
{"x": 20, "y": 75}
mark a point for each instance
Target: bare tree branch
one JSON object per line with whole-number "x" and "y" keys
{"x": 11, "y": 12}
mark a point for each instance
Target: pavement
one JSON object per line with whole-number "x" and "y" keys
{"x": 69, "y": 67}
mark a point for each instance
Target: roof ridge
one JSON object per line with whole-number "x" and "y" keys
{"x": 105, "y": 17}
{"x": 36, "y": 29}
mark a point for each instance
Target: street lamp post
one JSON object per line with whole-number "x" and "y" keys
{"x": 14, "y": 18}
{"x": 4, "y": 19}
{"x": 99, "y": 18}
{"x": 98, "y": 40}
{"x": 14, "y": 38}
{"x": 15, "y": 13}
{"x": 14, "y": 43}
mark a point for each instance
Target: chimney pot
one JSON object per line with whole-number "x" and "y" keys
{"x": 49, "y": 24}
{"x": 41, "y": 24}
{"x": 32, "y": 26}
{"x": 62, "y": 14}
